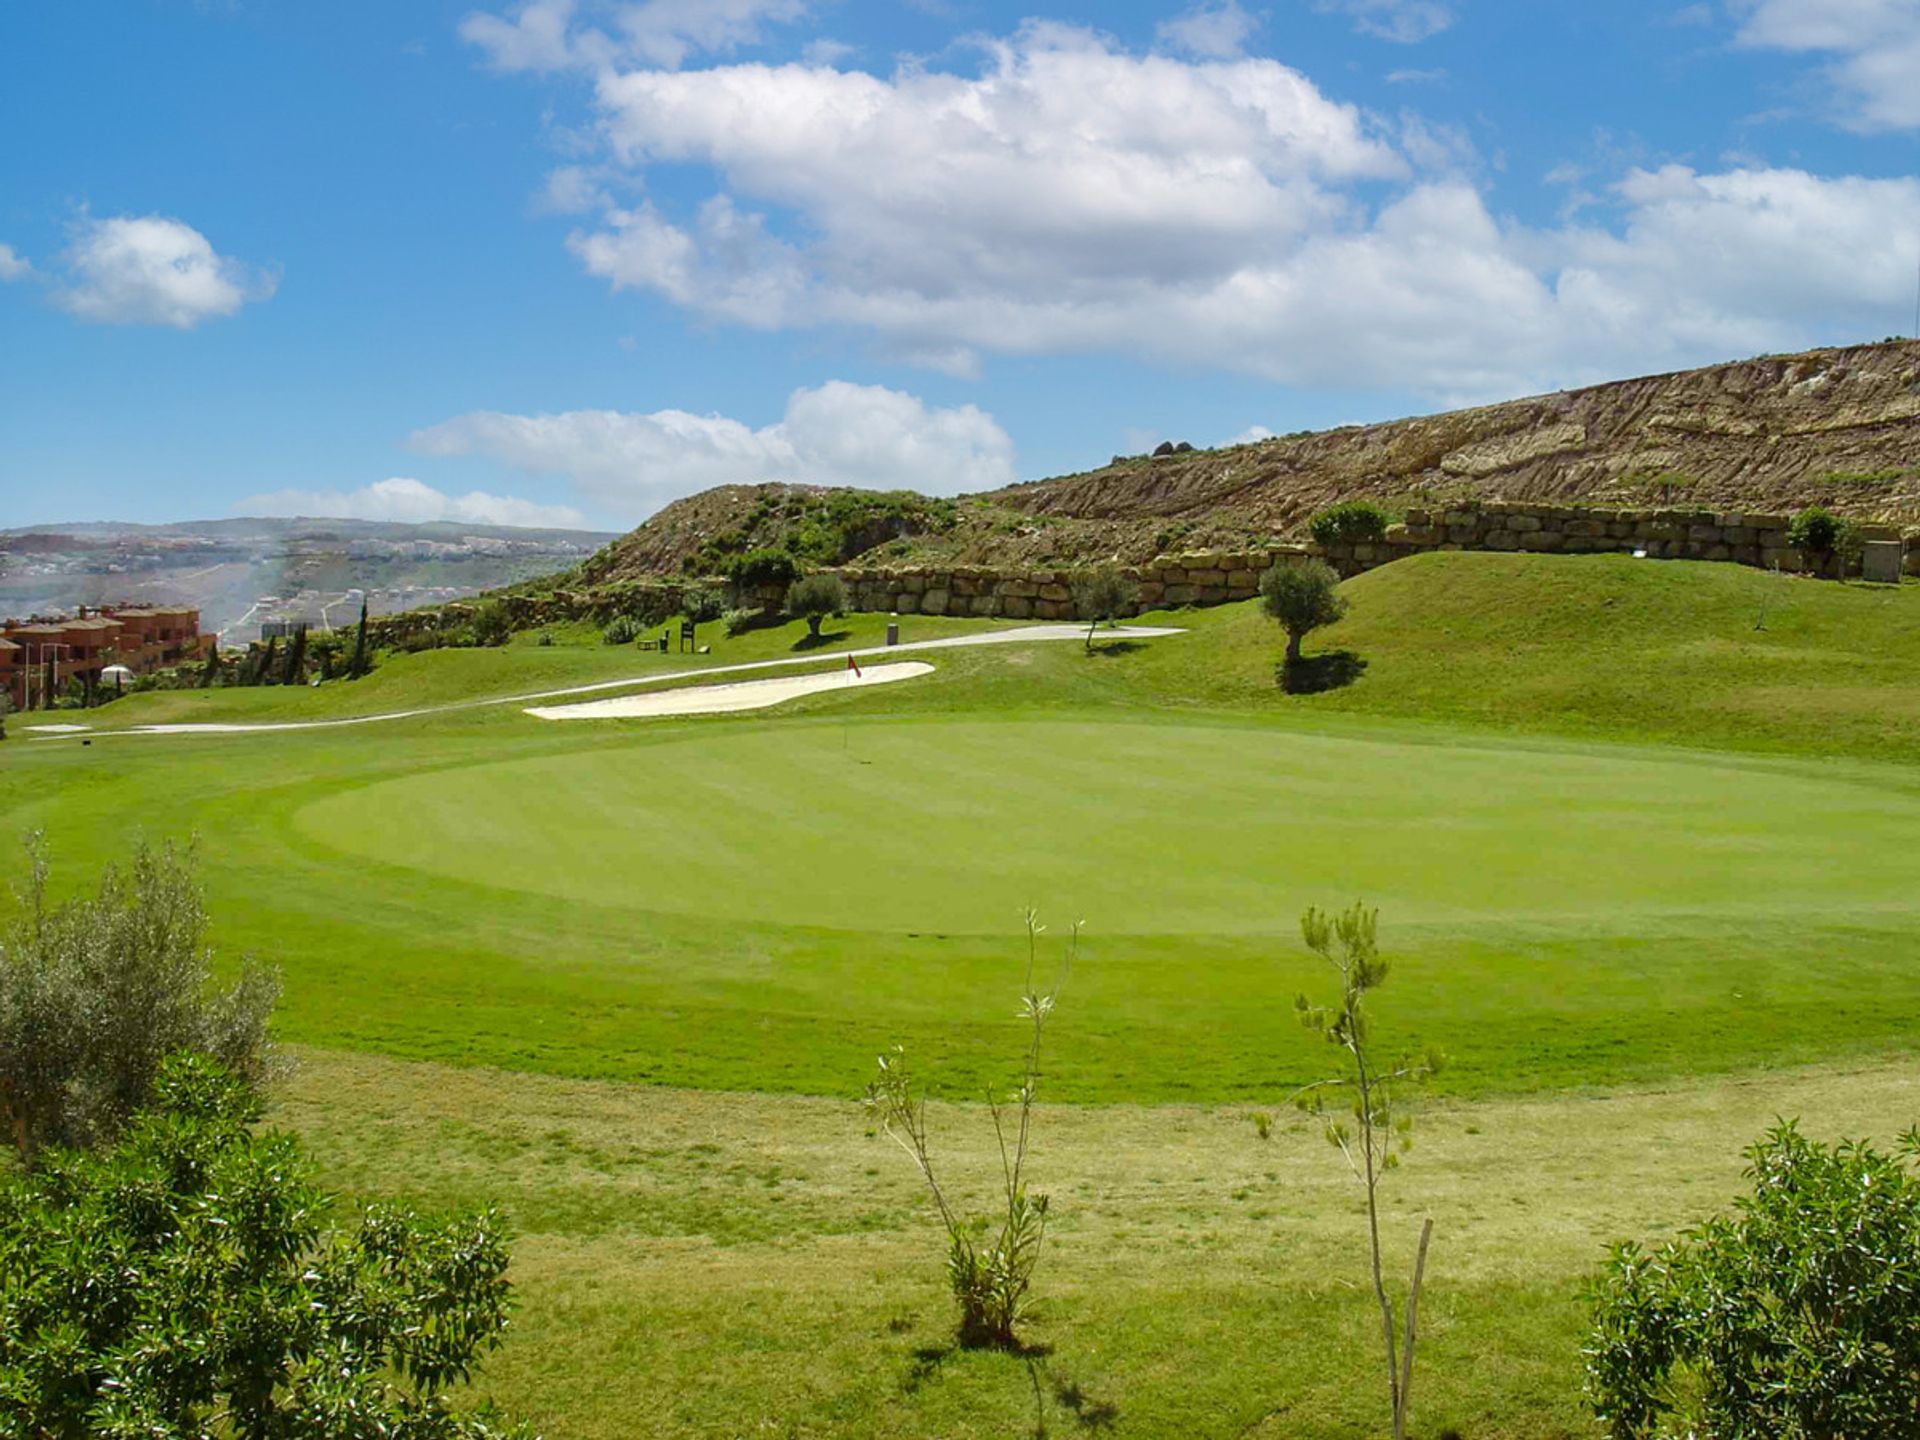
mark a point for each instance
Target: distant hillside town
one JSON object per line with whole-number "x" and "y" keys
{"x": 246, "y": 577}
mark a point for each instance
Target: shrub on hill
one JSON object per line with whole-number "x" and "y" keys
{"x": 815, "y": 597}
{"x": 1815, "y": 529}
{"x": 490, "y": 625}
{"x": 183, "y": 1284}
{"x": 739, "y": 621}
{"x": 1348, "y": 523}
{"x": 95, "y": 993}
{"x": 700, "y": 604}
{"x": 765, "y": 567}
{"x": 1799, "y": 1315}
{"x": 621, "y": 630}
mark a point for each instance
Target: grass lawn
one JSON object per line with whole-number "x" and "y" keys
{"x": 1618, "y": 835}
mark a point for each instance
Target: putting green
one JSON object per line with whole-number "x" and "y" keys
{"x": 952, "y": 826}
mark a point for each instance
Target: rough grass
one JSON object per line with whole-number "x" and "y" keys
{"x": 721, "y": 1265}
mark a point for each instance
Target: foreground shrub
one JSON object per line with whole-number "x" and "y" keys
{"x": 182, "y": 1284}
{"x": 621, "y": 630}
{"x": 815, "y": 597}
{"x": 1103, "y": 592}
{"x": 1362, "y": 1121}
{"x": 991, "y": 1281}
{"x": 738, "y": 622}
{"x": 96, "y": 993}
{"x": 1798, "y": 1316}
{"x": 1302, "y": 596}
{"x": 701, "y": 604}
{"x": 1349, "y": 523}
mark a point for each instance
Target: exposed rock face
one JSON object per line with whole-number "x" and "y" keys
{"x": 1834, "y": 427}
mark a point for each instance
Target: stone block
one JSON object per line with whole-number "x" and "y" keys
{"x": 1542, "y": 540}
{"x": 1019, "y": 589}
{"x": 934, "y": 602}
{"x": 1206, "y": 576}
{"x": 1523, "y": 524}
{"x": 1880, "y": 561}
{"x": 1211, "y": 595}
{"x": 985, "y": 605}
{"x": 1586, "y": 528}
{"x": 1708, "y": 534}
{"x": 1016, "y": 607}
{"x": 1241, "y": 580}
{"x": 1180, "y": 594}
{"x": 1502, "y": 540}
{"x": 1055, "y": 592}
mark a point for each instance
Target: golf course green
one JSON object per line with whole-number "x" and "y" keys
{"x": 1646, "y": 872}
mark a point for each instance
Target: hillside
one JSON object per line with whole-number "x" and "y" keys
{"x": 1838, "y": 427}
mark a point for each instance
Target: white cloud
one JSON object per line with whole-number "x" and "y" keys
{"x": 1072, "y": 197}
{"x": 1252, "y": 433}
{"x": 837, "y": 434}
{"x": 1876, "y": 43}
{"x": 1217, "y": 31}
{"x": 13, "y": 266}
{"x": 1405, "y": 22}
{"x": 411, "y": 502}
{"x": 541, "y": 35}
{"x": 150, "y": 270}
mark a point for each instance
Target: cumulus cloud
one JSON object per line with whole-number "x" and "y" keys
{"x": 408, "y": 501}
{"x": 1069, "y": 196}
{"x": 13, "y": 266}
{"x": 1216, "y": 31}
{"x": 836, "y": 434}
{"x": 549, "y": 35}
{"x": 1876, "y": 45}
{"x": 151, "y": 270}
{"x": 1405, "y": 22}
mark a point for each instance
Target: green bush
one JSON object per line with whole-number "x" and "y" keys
{"x": 97, "y": 992}
{"x": 764, "y": 567}
{"x": 815, "y": 597}
{"x": 621, "y": 630}
{"x": 701, "y": 604}
{"x": 1798, "y": 1316}
{"x": 491, "y": 625}
{"x": 738, "y": 622}
{"x": 184, "y": 1284}
{"x": 1815, "y": 529}
{"x": 1350, "y": 522}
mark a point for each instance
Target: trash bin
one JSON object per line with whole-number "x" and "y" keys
{"x": 893, "y": 632}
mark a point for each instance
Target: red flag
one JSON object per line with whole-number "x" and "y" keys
{"x": 853, "y": 665}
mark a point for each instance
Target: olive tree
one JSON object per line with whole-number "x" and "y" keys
{"x": 1797, "y": 1316}
{"x": 186, "y": 1281}
{"x": 97, "y": 992}
{"x": 815, "y": 597}
{"x": 1364, "y": 1122}
{"x": 1103, "y": 593}
{"x": 1302, "y": 597}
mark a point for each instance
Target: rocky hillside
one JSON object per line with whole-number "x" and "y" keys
{"x": 1835, "y": 427}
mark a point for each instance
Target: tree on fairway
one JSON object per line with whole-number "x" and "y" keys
{"x": 210, "y": 672}
{"x": 1103, "y": 593}
{"x": 1302, "y": 597}
{"x": 816, "y": 596}
{"x": 187, "y": 1282}
{"x": 358, "y": 665}
{"x": 96, "y": 992}
{"x": 1363, "y": 1124}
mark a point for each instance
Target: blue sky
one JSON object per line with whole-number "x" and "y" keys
{"x": 559, "y": 262}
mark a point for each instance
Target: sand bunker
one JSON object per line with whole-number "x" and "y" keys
{"x": 741, "y": 695}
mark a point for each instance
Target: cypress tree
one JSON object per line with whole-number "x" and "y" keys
{"x": 296, "y": 657}
{"x": 359, "y": 665}
{"x": 263, "y": 672}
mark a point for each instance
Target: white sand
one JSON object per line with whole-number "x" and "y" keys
{"x": 741, "y": 695}
{"x": 59, "y": 729}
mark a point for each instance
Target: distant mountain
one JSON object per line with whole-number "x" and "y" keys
{"x": 244, "y": 572}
